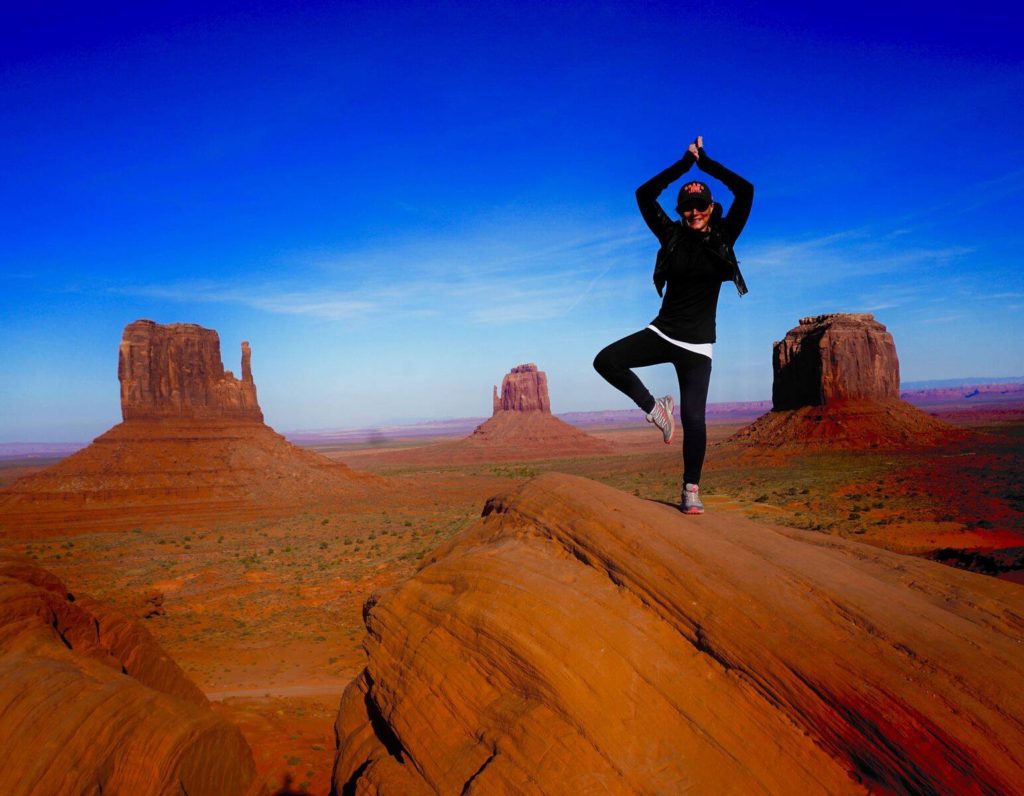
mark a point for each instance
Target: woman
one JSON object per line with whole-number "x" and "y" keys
{"x": 695, "y": 258}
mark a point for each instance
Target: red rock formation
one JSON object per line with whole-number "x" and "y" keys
{"x": 522, "y": 425}
{"x": 175, "y": 370}
{"x": 524, "y": 389}
{"x": 836, "y": 386}
{"x": 835, "y": 357}
{"x": 579, "y": 640}
{"x": 192, "y": 447}
{"x": 90, "y": 703}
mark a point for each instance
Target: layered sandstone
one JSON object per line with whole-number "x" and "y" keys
{"x": 836, "y": 385}
{"x": 90, "y": 703}
{"x": 192, "y": 449}
{"x": 579, "y": 640}
{"x": 175, "y": 370}
{"x": 522, "y": 425}
{"x": 835, "y": 357}
{"x": 524, "y": 389}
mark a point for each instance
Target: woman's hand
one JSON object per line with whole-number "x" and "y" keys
{"x": 696, "y": 146}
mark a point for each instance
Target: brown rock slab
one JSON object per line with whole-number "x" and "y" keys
{"x": 175, "y": 370}
{"x": 90, "y": 703}
{"x": 580, "y": 640}
{"x": 524, "y": 389}
{"x": 835, "y": 357}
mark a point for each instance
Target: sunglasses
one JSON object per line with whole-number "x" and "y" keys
{"x": 700, "y": 207}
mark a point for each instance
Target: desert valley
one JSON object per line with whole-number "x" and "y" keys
{"x": 193, "y": 603}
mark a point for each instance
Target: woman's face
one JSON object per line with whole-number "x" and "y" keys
{"x": 697, "y": 217}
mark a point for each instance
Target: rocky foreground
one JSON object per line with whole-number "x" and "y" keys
{"x": 90, "y": 703}
{"x": 579, "y": 640}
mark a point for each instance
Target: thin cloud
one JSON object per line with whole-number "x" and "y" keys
{"x": 823, "y": 262}
{"x": 504, "y": 284}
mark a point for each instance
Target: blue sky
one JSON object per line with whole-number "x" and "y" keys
{"x": 396, "y": 203}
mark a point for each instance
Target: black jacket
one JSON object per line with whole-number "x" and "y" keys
{"x": 694, "y": 265}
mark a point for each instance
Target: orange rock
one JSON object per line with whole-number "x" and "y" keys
{"x": 836, "y": 386}
{"x": 522, "y": 423}
{"x": 90, "y": 703}
{"x": 532, "y": 434}
{"x": 579, "y": 640}
{"x": 175, "y": 370}
{"x": 836, "y": 357}
{"x": 846, "y": 425}
{"x": 524, "y": 389}
{"x": 163, "y": 473}
{"x": 192, "y": 447}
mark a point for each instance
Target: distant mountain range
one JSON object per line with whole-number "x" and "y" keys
{"x": 938, "y": 383}
{"x": 921, "y": 393}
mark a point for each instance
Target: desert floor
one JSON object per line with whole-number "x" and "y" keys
{"x": 265, "y": 616}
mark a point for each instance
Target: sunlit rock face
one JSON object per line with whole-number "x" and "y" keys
{"x": 835, "y": 357}
{"x": 522, "y": 424}
{"x": 192, "y": 448}
{"x": 837, "y": 387}
{"x": 175, "y": 370}
{"x": 577, "y": 640}
{"x": 90, "y": 703}
{"x": 524, "y": 389}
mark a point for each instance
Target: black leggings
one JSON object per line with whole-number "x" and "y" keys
{"x": 694, "y": 371}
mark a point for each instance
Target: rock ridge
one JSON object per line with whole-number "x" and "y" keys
{"x": 577, "y": 639}
{"x": 90, "y": 703}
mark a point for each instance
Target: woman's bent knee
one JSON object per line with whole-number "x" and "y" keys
{"x": 603, "y": 362}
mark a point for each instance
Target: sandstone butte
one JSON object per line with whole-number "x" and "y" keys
{"x": 522, "y": 420}
{"x": 192, "y": 447}
{"x": 836, "y": 385}
{"x": 90, "y": 703}
{"x": 578, "y": 640}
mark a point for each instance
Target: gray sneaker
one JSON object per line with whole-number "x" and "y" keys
{"x": 661, "y": 416}
{"x": 691, "y": 500}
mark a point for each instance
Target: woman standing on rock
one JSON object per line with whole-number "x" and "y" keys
{"x": 695, "y": 258}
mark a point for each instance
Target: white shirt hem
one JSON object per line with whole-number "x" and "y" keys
{"x": 704, "y": 349}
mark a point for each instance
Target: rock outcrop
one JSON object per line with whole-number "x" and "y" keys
{"x": 835, "y": 357}
{"x": 175, "y": 370}
{"x": 579, "y": 640}
{"x": 192, "y": 448}
{"x": 524, "y": 389}
{"x": 836, "y": 385}
{"x": 522, "y": 425}
{"x": 90, "y": 703}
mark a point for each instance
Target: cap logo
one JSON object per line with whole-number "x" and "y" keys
{"x": 693, "y": 187}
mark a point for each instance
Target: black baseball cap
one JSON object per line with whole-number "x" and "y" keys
{"x": 694, "y": 193}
